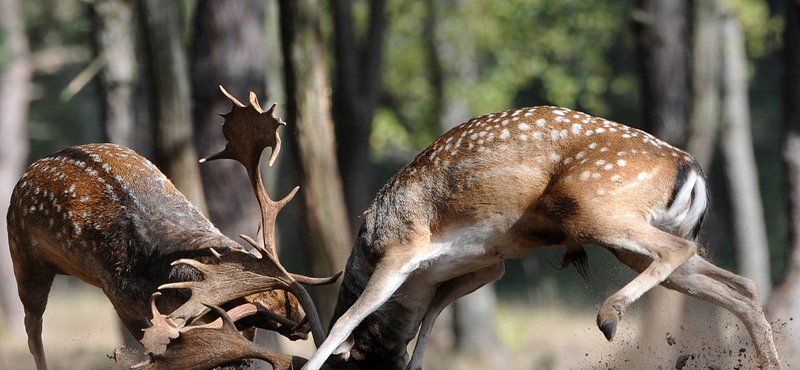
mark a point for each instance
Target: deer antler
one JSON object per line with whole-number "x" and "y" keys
{"x": 248, "y": 131}
{"x": 205, "y": 346}
{"x": 238, "y": 274}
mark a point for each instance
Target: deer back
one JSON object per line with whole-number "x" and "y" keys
{"x": 106, "y": 215}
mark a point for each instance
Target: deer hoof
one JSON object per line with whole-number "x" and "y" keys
{"x": 608, "y": 324}
{"x": 608, "y": 327}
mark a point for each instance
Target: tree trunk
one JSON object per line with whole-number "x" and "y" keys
{"x": 175, "y": 151}
{"x": 784, "y": 302}
{"x": 662, "y": 35}
{"x": 15, "y": 94}
{"x": 473, "y": 328}
{"x": 748, "y": 214}
{"x": 705, "y": 81}
{"x": 309, "y": 117}
{"x": 228, "y": 51}
{"x": 114, "y": 33}
{"x": 114, "y": 36}
{"x": 356, "y": 94}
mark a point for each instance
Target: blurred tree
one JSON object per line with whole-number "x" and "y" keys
{"x": 752, "y": 250}
{"x": 662, "y": 30}
{"x": 15, "y": 93}
{"x": 115, "y": 37}
{"x": 451, "y": 58}
{"x": 174, "y": 150}
{"x": 784, "y": 302}
{"x": 705, "y": 81}
{"x": 663, "y": 33}
{"x": 357, "y": 89}
{"x": 308, "y": 106}
{"x": 228, "y": 51}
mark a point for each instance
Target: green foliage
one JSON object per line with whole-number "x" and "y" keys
{"x": 762, "y": 30}
{"x": 521, "y": 52}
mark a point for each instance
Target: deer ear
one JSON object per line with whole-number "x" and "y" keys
{"x": 343, "y": 351}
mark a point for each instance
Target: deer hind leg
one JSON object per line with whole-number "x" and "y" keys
{"x": 655, "y": 253}
{"x": 446, "y": 294}
{"x": 666, "y": 251}
{"x": 390, "y": 273}
{"x": 700, "y": 279}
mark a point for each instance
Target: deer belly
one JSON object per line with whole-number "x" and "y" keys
{"x": 460, "y": 252}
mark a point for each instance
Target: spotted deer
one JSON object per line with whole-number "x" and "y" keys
{"x": 107, "y": 216}
{"x": 504, "y": 184}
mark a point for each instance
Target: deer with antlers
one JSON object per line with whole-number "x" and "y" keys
{"x": 496, "y": 187}
{"x": 106, "y": 215}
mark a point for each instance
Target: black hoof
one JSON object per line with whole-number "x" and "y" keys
{"x": 609, "y": 328}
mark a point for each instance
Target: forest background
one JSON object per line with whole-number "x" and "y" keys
{"x": 365, "y": 85}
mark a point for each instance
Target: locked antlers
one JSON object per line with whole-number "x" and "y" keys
{"x": 176, "y": 341}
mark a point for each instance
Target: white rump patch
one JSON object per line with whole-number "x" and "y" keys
{"x": 687, "y": 208}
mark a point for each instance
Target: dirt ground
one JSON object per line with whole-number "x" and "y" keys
{"x": 81, "y": 330}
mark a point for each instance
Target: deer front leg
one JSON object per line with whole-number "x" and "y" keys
{"x": 390, "y": 273}
{"x": 667, "y": 251}
{"x": 34, "y": 279}
{"x": 446, "y": 294}
{"x": 702, "y": 280}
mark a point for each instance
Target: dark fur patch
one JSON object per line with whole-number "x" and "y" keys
{"x": 684, "y": 169}
{"x": 561, "y": 207}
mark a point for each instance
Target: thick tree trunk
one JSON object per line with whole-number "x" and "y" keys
{"x": 232, "y": 49}
{"x": 784, "y": 302}
{"x": 705, "y": 81}
{"x": 663, "y": 33}
{"x": 115, "y": 39}
{"x": 114, "y": 33}
{"x": 15, "y": 94}
{"x": 175, "y": 151}
{"x": 309, "y": 117}
{"x": 356, "y": 95}
{"x": 473, "y": 330}
{"x": 752, "y": 250}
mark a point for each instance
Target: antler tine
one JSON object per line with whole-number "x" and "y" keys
{"x": 190, "y": 350}
{"x": 252, "y": 275}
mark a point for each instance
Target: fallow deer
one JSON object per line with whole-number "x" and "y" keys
{"x": 106, "y": 215}
{"x": 504, "y": 184}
